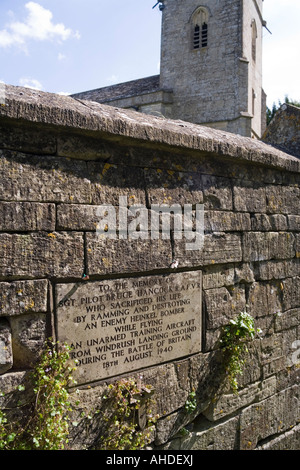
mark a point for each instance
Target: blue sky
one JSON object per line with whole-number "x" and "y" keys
{"x": 67, "y": 46}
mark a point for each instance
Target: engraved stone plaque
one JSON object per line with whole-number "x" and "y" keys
{"x": 122, "y": 325}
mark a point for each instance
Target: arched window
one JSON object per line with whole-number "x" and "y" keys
{"x": 200, "y": 28}
{"x": 254, "y": 39}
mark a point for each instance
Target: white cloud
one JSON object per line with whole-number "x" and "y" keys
{"x": 31, "y": 83}
{"x": 38, "y": 26}
{"x": 61, "y": 56}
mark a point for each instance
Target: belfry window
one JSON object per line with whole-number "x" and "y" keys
{"x": 200, "y": 28}
{"x": 204, "y": 35}
{"x": 197, "y": 37}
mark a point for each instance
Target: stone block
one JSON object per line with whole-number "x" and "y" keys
{"x": 261, "y": 246}
{"x": 290, "y": 440}
{"x": 249, "y": 196}
{"x": 264, "y": 299}
{"x": 173, "y": 187}
{"x": 106, "y": 255}
{"x": 269, "y": 417}
{"x": 291, "y": 293}
{"x": 6, "y": 357}
{"x": 26, "y": 216}
{"x": 293, "y": 222}
{"x": 274, "y": 269}
{"x": 33, "y": 178}
{"x": 230, "y": 403}
{"x": 42, "y": 254}
{"x": 218, "y": 248}
{"x": 217, "y": 192}
{"x": 28, "y": 338}
{"x": 218, "y": 276}
{"x": 19, "y": 297}
{"x": 223, "y": 304}
{"x": 110, "y": 182}
{"x": 82, "y": 147}
{"x": 27, "y": 139}
{"x": 77, "y": 217}
{"x": 297, "y": 244}
{"x": 202, "y": 436}
{"x": 283, "y": 199}
{"x": 222, "y": 221}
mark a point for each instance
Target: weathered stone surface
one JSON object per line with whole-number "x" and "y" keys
{"x": 43, "y": 179}
{"x": 55, "y": 110}
{"x": 269, "y": 417}
{"x": 249, "y": 196}
{"x": 26, "y": 216}
{"x": 230, "y": 403}
{"x": 223, "y": 304}
{"x": 283, "y": 199}
{"x": 105, "y": 255}
{"x": 173, "y": 187}
{"x": 218, "y": 276}
{"x": 221, "y": 221}
{"x": 223, "y": 436}
{"x": 9, "y": 384}
{"x": 27, "y": 139}
{"x": 82, "y": 147}
{"x": 6, "y": 357}
{"x": 41, "y": 254}
{"x": 21, "y": 297}
{"x": 293, "y": 222}
{"x": 77, "y": 217}
{"x": 218, "y": 248}
{"x": 260, "y": 246}
{"x": 29, "y": 335}
{"x": 264, "y": 299}
{"x": 274, "y": 269}
{"x": 291, "y": 293}
{"x": 290, "y": 440}
{"x": 110, "y": 182}
{"x": 217, "y": 192}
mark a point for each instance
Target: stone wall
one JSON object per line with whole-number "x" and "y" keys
{"x": 283, "y": 132}
{"x": 62, "y": 159}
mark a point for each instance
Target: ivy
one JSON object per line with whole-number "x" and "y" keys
{"x": 47, "y": 426}
{"x": 124, "y": 399}
{"x": 234, "y": 343}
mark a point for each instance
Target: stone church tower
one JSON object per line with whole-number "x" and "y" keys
{"x": 211, "y": 68}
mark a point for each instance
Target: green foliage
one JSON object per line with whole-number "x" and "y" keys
{"x": 234, "y": 342}
{"x": 191, "y": 402}
{"x": 123, "y": 401}
{"x": 271, "y": 112}
{"x": 46, "y": 428}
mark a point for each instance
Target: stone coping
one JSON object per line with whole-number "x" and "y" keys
{"x": 32, "y": 106}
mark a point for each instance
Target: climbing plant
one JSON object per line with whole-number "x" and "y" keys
{"x": 47, "y": 425}
{"x": 236, "y": 336}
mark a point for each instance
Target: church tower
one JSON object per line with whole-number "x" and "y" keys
{"x": 211, "y": 61}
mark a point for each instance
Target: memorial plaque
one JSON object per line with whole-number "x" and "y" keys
{"x": 122, "y": 325}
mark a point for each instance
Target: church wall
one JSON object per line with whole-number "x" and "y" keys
{"x": 60, "y": 161}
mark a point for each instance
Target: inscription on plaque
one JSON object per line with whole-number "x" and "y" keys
{"x": 122, "y": 325}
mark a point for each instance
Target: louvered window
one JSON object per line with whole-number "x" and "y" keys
{"x": 196, "y": 37}
{"x": 204, "y": 35}
{"x": 200, "y": 28}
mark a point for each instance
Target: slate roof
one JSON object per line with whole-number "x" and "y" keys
{"x": 121, "y": 90}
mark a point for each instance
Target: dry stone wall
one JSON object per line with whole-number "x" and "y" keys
{"x": 60, "y": 161}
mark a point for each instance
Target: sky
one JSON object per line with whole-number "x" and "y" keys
{"x": 69, "y": 46}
